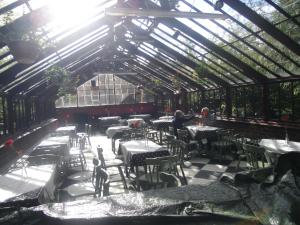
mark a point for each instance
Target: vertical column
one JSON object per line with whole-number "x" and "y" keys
{"x": 265, "y": 96}
{"x": 10, "y": 114}
{"x": 228, "y": 102}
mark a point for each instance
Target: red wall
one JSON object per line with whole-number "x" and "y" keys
{"x": 93, "y": 112}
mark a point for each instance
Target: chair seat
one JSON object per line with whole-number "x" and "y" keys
{"x": 80, "y": 189}
{"x": 114, "y": 162}
{"x": 81, "y": 176}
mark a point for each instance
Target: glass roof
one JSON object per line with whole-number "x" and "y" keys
{"x": 257, "y": 42}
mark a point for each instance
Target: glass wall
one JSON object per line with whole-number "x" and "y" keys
{"x": 105, "y": 89}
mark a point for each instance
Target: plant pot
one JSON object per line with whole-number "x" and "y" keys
{"x": 25, "y": 52}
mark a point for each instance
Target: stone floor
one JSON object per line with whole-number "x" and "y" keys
{"x": 202, "y": 171}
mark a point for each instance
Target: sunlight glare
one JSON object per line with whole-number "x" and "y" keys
{"x": 69, "y": 13}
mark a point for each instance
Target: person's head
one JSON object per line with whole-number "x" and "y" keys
{"x": 204, "y": 111}
{"x": 178, "y": 114}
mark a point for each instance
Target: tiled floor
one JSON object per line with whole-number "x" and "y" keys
{"x": 203, "y": 170}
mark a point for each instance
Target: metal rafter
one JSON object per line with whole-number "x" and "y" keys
{"x": 269, "y": 28}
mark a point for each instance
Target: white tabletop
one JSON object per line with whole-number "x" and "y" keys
{"x": 111, "y": 131}
{"x": 279, "y": 146}
{"x": 66, "y": 128}
{"x": 166, "y": 117}
{"x": 196, "y": 128}
{"x": 20, "y": 181}
{"x": 193, "y": 129}
{"x": 137, "y": 121}
{"x": 61, "y": 139}
{"x": 109, "y": 118}
{"x": 130, "y": 148}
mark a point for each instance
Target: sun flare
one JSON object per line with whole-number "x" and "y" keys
{"x": 70, "y": 13}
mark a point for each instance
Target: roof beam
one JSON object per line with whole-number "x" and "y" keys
{"x": 246, "y": 69}
{"x": 262, "y": 23}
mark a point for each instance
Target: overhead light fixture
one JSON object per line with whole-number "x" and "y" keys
{"x": 219, "y": 5}
{"x": 162, "y": 14}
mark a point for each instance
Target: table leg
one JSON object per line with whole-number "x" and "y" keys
{"x": 160, "y": 136}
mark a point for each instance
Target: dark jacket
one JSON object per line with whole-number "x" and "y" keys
{"x": 178, "y": 123}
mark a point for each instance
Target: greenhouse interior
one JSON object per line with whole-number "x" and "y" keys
{"x": 150, "y": 111}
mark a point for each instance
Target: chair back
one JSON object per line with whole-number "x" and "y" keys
{"x": 102, "y": 182}
{"x": 171, "y": 130}
{"x": 100, "y": 156}
{"x": 169, "y": 180}
{"x": 160, "y": 164}
{"x": 254, "y": 154}
{"x": 178, "y": 148}
{"x": 183, "y": 135}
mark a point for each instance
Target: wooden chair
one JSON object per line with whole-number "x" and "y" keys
{"x": 224, "y": 144}
{"x": 169, "y": 180}
{"x": 153, "y": 168}
{"x": 76, "y": 156}
{"x": 179, "y": 148}
{"x": 255, "y": 156}
{"x": 97, "y": 189}
{"x": 106, "y": 164}
{"x": 82, "y": 176}
{"x": 86, "y": 135}
{"x": 239, "y": 151}
{"x": 152, "y": 134}
{"x": 192, "y": 145}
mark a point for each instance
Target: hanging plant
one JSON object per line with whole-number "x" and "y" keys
{"x": 24, "y": 43}
{"x": 67, "y": 84}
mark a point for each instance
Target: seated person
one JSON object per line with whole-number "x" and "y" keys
{"x": 205, "y": 116}
{"x": 179, "y": 120}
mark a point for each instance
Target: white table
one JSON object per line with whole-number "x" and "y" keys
{"x": 135, "y": 122}
{"x": 145, "y": 117}
{"x": 23, "y": 180}
{"x": 166, "y": 118}
{"x": 195, "y": 129}
{"x": 67, "y": 130}
{"x": 162, "y": 125}
{"x": 274, "y": 148}
{"x": 279, "y": 146}
{"x": 111, "y": 131}
{"x": 130, "y": 148}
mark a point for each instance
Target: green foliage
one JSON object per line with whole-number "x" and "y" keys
{"x": 63, "y": 79}
{"x": 201, "y": 69}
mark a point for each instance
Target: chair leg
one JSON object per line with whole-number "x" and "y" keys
{"x": 185, "y": 180}
{"x": 122, "y": 177}
{"x": 81, "y": 162}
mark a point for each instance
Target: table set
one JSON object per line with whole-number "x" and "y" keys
{"x": 145, "y": 117}
{"x": 135, "y": 122}
{"x": 274, "y": 148}
{"x": 107, "y": 121}
{"x": 199, "y": 132}
{"x": 134, "y": 153}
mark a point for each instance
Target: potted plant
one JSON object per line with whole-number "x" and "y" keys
{"x": 23, "y": 44}
{"x": 67, "y": 84}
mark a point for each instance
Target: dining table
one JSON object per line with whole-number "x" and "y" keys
{"x": 135, "y": 122}
{"x": 116, "y": 131}
{"x": 162, "y": 125}
{"x": 145, "y": 117}
{"x": 196, "y": 131}
{"x": 135, "y": 152}
{"x": 66, "y": 130}
{"x": 276, "y": 147}
{"x": 107, "y": 121}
